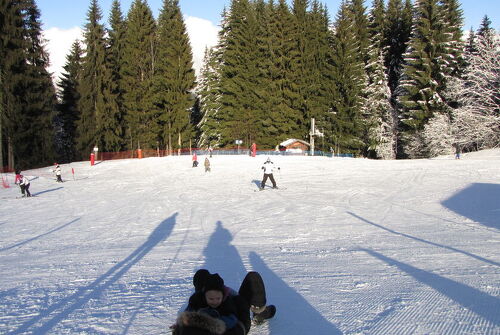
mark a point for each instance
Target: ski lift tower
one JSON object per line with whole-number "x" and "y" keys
{"x": 312, "y": 133}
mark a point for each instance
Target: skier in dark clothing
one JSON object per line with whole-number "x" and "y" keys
{"x": 217, "y": 309}
{"x": 268, "y": 168}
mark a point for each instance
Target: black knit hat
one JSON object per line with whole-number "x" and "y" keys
{"x": 214, "y": 282}
{"x": 200, "y": 278}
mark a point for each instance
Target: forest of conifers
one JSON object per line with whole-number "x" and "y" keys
{"x": 395, "y": 79}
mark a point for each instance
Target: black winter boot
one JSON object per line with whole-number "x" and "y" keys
{"x": 267, "y": 313}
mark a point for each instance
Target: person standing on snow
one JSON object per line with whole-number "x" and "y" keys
{"x": 195, "y": 160}
{"x": 268, "y": 168}
{"x": 24, "y": 184}
{"x": 57, "y": 171}
{"x": 207, "y": 164}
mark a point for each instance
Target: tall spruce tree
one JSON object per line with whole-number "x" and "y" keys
{"x": 238, "y": 113}
{"x": 425, "y": 74}
{"x": 68, "y": 113}
{"x": 91, "y": 88}
{"x": 397, "y": 34}
{"x": 302, "y": 66}
{"x": 34, "y": 145}
{"x": 141, "y": 125}
{"x": 114, "y": 134}
{"x": 207, "y": 91}
{"x": 13, "y": 63}
{"x": 380, "y": 117}
{"x": 174, "y": 78}
{"x": 282, "y": 43}
{"x": 349, "y": 78}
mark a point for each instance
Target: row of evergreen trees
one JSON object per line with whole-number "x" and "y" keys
{"x": 373, "y": 80}
{"x": 394, "y": 81}
{"x": 128, "y": 86}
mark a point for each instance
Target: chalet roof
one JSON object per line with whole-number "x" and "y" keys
{"x": 293, "y": 140}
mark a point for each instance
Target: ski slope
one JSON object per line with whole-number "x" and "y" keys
{"x": 351, "y": 246}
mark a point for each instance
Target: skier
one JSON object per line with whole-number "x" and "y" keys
{"x": 214, "y": 302}
{"x": 268, "y": 168}
{"x": 18, "y": 177}
{"x": 207, "y": 165}
{"x": 457, "y": 151}
{"x": 24, "y": 184}
{"x": 195, "y": 160}
{"x": 57, "y": 171}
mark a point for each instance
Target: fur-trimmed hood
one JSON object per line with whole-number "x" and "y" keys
{"x": 202, "y": 321}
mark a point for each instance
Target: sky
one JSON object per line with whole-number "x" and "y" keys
{"x": 62, "y": 21}
{"x": 345, "y": 246}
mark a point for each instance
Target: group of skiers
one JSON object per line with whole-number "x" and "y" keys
{"x": 268, "y": 168}
{"x": 24, "y": 182}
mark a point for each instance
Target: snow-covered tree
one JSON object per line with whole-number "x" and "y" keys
{"x": 437, "y": 136}
{"x": 476, "y": 123}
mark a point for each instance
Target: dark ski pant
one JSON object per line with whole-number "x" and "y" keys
{"x": 59, "y": 179}
{"x": 25, "y": 189}
{"x": 270, "y": 176}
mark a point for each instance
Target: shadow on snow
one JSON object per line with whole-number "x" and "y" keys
{"x": 478, "y": 202}
{"x": 482, "y": 259}
{"x": 62, "y": 309}
{"x": 470, "y": 298}
{"x": 293, "y": 310}
{"x": 39, "y": 236}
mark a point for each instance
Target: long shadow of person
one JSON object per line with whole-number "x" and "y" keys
{"x": 482, "y": 259}
{"x": 39, "y": 236}
{"x": 294, "y": 312}
{"x": 222, "y": 257}
{"x": 470, "y": 298}
{"x": 62, "y": 309}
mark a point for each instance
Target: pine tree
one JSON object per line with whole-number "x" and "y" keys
{"x": 425, "y": 73}
{"x": 13, "y": 65}
{"x": 99, "y": 124}
{"x": 282, "y": 120}
{"x": 174, "y": 77}
{"x": 207, "y": 91}
{"x": 380, "y": 117}
{"x": 476, "y": 123}
{"x": 34, "y": 144}
{"x": 239, "y": 73}
{"x": 141, "y": 125}
{"x": 397, "y": 34}
{"x": 349, "y": 78}
{"x": 68, "y": 112}
{"x": 485, "y": 30}
{"x": 114, "y": 134}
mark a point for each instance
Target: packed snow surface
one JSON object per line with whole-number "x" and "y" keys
{"x": 345, "y": 246}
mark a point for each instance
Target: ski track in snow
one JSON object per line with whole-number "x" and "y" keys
{"x": 348, "y": 246}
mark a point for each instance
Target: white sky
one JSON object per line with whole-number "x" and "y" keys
{"x": 202, "y": 34}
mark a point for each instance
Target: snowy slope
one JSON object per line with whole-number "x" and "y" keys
{"x": 347, "y": 246}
